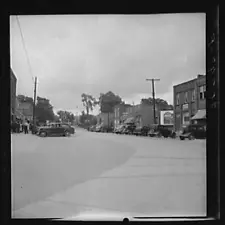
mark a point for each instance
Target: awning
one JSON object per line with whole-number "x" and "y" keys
{"x": 201, "y": 114}
{"x": 129, "y": 120}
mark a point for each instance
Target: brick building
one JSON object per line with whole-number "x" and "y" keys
{"x": 141, "y": 114}
{"x": 25, "y": 109}
{"x": 119, "y": 111}
{"x": 106, "y": 119}
{"x": 189, "y": 101}
{"x": 13, "y": 82}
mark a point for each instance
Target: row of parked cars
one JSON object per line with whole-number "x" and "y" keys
{"x": 192, "y": 131}
{"x": 153, "y": 131}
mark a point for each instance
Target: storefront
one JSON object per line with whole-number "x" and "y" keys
{"x": 185, "y": 115}
{"x": 199, "y": 117}
{"x": 166, "y": 117}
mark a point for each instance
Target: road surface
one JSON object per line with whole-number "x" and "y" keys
{"x": 66, "y": 176}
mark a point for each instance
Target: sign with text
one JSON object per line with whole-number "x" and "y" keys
{"x": 166, "y": 117}
{"x": 185, "y": 106}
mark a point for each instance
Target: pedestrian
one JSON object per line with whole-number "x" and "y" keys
{"x": 28, "y": 126}
{"x": 13, "y": 127}
{"x": 31, "y": 127}
{"x": 25, "y": 126}
{"x": 17, "y": 127}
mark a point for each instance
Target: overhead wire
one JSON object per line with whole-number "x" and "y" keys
{"x": 26, "y": 53}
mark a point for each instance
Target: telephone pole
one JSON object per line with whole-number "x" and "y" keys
{"x": 35, "y": 89}
{"x": 153, "y": 96}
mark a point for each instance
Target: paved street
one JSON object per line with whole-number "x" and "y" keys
{"x": 65, "y": 176}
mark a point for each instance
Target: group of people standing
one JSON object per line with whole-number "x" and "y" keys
{"x": 19, "y": 126}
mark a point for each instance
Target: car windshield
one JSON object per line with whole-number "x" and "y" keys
{"x": 108, "y": 96}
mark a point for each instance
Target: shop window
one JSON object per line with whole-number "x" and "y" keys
{"x": 202, "y": 92}
{"x": 193, "y": 96}
{"x": 186, "y": 118}
{"x": 185, "y": 97}
{"x": 177, "y": 99}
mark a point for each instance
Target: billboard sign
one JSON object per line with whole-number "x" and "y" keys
{"x": 166, "y": 117}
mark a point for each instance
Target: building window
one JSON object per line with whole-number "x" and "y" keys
{"x": 186, "y": 118}
{"x": 193, "y": 96}
{"x": 186, "y": 97}
{"x": 202, "y": 92}
{"x": 204, "y": 89}
{"x": 177, "y": 99}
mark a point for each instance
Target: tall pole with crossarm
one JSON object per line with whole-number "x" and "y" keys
{"x": 34, "y": 102}
{"x": 153, "y": 95}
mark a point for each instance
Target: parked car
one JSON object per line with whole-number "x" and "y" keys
{"x": 129, "y": 129}
{"x": 106, "y": 129}
{"x": 119, "y": 129}
{"x": 123, "y": 130}
{"x": 193, "y": 131}
{"x": 54, "y": 130}
{"x": 98, "y": 128}
{"x": 154, "y": 131}
{"x": 141, "y": 130}
{"x": 70, "y": 128}
{"x": 157, "y": 130}
{"x": 34, "y": 129}
{"x": 92, "y": 128}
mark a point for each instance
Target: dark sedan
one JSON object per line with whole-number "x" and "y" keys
{"x": 129, "y": 129}
{"x": 141, "y": 130}
{"x": 107, "y": 129}
{"x": 193, "y": 131}
{"x": 55, "y": 130}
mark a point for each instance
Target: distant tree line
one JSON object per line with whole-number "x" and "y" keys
{"x": 44, "y": 110}
{"x": 107, "y": 102}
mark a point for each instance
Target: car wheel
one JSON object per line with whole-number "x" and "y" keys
{"x": 67, "y": 134}
{"x": 191, "y": 137}
{"x": 181, "y": 138}
{"x": 43, "y": 134}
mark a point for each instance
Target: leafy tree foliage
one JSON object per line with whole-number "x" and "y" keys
{"x": 89, "y": 102}
{"x": 108, "y": 101}
{"x": 23, "y": 98}
{"x": 160, "y": 103}
{"x": 66, "y": 116}
{"x": 44, "y": 110}
{"x": 88, "y": 119}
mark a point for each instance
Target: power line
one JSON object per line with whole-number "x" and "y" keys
{"x": 28, "y": 61}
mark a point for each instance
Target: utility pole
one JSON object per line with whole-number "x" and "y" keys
{"x": 35, "y": 88}
{"x": 153, "y": 95}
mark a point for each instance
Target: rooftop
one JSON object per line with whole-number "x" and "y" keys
{"x": 199, "y": 76}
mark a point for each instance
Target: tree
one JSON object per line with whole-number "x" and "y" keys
{"x": 66, "y": 116}
{"x": 44, "y": 110}
{"x": 160, "y": 103}
{"x": 56, "y": 118}
{"x": 89, "y": 102}
{"x": 108, "y": 101}
{"x": 23, "y": 98}
{"x": 88, "y": 119}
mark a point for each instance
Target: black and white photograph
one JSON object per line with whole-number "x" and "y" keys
{"x": 108, "y": 115}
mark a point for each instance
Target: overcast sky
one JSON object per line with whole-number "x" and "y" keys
{"x": 71, "y": 55}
